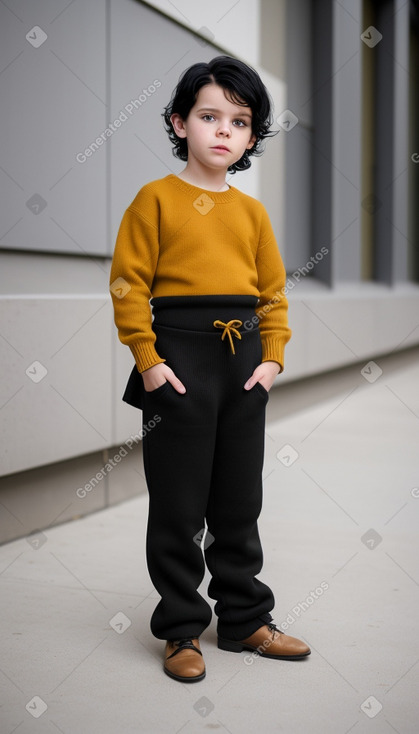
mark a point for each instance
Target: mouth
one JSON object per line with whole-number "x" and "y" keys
{"x": 220, "y": 147}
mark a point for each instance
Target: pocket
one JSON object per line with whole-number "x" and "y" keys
{"x": 262, "y": 390}
{"x": 157, "y": 390}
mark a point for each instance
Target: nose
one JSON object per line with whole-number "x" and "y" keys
{"x": 224, "y": 129}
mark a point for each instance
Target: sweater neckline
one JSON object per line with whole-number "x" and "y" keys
{"x": 217, "y": 196}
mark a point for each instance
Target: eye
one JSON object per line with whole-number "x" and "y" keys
{"x": 241, "y": 123}
{"x": 208, "y": 115}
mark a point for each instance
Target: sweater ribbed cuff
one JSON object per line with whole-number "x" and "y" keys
{"x": 273, "y": 351}
{"x": 145, "y": 355}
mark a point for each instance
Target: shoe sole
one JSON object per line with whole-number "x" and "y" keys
{"x": 184, "y": 678}
{"x": 232, "y": 646}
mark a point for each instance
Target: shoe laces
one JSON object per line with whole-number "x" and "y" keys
{"x": 273, "y": 628}
{"x": 183, "y": 641}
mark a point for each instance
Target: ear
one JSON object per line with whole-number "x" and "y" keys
{"x": 251, "y": 142}
{"x": 178, "y": 125}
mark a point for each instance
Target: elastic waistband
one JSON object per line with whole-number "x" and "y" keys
{"x": 200, "y": 312}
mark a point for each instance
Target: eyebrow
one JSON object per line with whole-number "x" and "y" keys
{"x": 213, "y": 109}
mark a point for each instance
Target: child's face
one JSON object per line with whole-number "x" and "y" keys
{"x": 212, "y": 122}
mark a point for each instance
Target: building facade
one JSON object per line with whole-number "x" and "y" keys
{"x": 83, "y": 88}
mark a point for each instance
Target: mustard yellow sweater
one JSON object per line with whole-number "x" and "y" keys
{"x": 178, "y": 239}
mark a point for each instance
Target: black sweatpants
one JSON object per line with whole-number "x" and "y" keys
{"x": 203, "y": 460}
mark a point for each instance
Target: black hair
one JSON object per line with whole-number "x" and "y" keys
{"x": 245, "y": 88}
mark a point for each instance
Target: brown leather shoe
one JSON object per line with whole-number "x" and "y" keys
{"x": 183, "y": 660}
{"x": 269, "y": 642}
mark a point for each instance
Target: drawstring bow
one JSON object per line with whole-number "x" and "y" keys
{"x": 230, "y": 328}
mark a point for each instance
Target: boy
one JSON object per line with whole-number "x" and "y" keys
{"x": 204, "y": 255}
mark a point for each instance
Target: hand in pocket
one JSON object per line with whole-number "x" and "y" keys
{"x": 157, "y": 375}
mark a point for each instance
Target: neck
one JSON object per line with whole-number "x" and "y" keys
{"x": 204, "y": 179}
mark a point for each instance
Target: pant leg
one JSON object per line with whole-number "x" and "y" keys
{"x": 235, "y": 557}
{"x": 178, "y": 458}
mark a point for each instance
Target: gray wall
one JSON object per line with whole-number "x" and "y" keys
{"x": 61, "y": 419}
